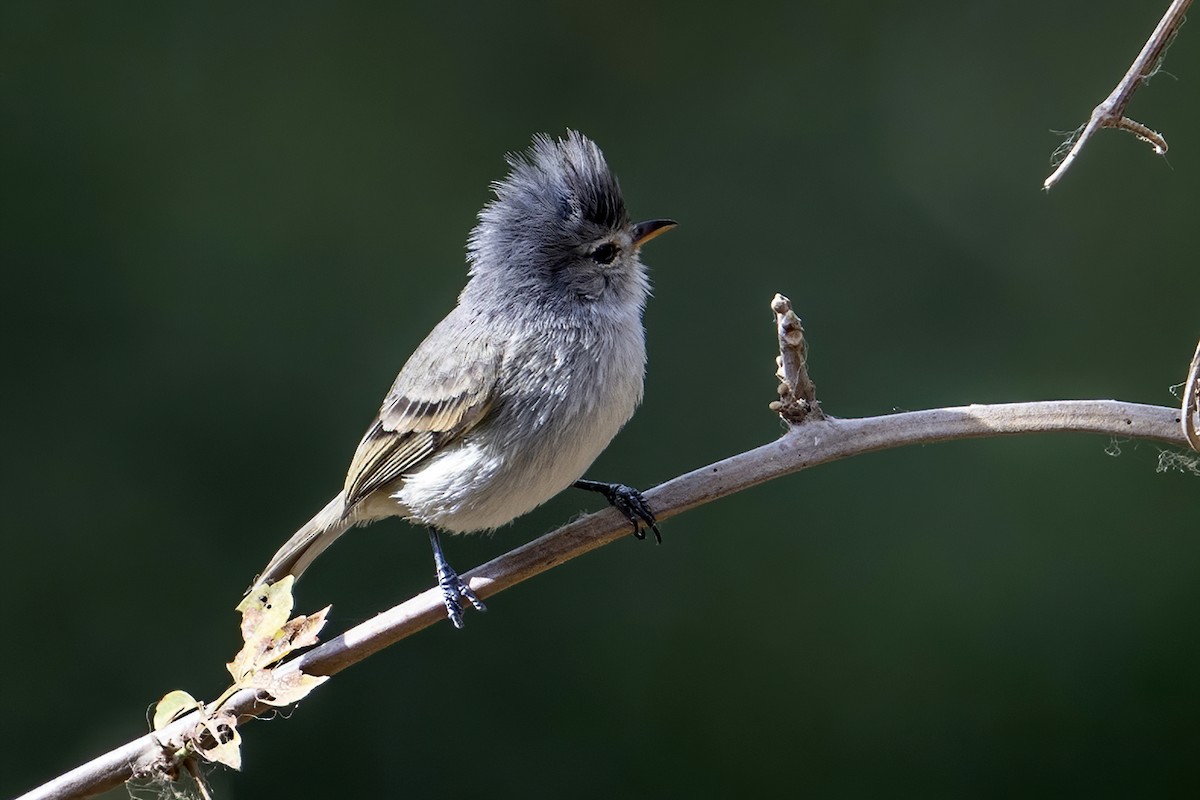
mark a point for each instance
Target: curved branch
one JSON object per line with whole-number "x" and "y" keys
{"x": 1111, "y": 112}
{"x": 811, "y": 444}
{"x": 1188, "y": 407}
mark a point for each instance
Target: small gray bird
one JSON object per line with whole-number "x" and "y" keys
{"x": 513, "y": 395}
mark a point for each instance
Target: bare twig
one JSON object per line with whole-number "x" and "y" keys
{"x": 1111, "y": 113}
{"x": 797, "y": 394}
{"x": 812, "y": 444}
{"x": 1188, "y": 408}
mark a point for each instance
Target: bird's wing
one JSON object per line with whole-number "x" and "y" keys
{"x": 446, "y": 388}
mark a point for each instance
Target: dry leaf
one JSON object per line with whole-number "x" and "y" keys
{"x": 217, "y": 739}
{"x": 303, "y": 630}
{"x": 173, "y": 706}
{"x": 296, "y": 634}
{"x": 265, "y": 611}
{"x": 283, "y": 689}
{"x": 266, "y": 607}
{"x": 268, "y": 636}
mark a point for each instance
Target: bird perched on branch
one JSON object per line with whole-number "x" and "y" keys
{"x": 512, "y": 396}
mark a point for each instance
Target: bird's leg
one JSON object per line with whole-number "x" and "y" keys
{"x": 628, "y": 501}
{"x": 453, "y": 586}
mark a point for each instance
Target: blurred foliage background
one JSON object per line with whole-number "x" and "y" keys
{"x": 225, "y": 227}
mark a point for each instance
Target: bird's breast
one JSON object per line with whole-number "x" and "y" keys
{"x": 564, "y": 393}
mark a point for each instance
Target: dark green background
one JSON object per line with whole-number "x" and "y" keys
{"x": 224, "y": 228}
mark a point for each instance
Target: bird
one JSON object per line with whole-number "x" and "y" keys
{"x": 513, "y": 395}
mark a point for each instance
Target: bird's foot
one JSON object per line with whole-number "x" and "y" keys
{"x": 628, "y": 501}
{"x": 453, "y": 588}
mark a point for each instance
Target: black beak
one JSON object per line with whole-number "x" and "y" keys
{"x": 645, "y": 231}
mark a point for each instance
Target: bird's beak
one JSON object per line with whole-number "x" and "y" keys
{"x": 645, "y": 231}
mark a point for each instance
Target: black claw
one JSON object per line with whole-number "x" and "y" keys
{"x": 628, "y": 501}
{"x": 453, "y": 609}
{"x": 453, "y": 587}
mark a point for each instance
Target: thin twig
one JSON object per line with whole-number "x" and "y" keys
{"x": 1111, "y": 113}
{"x": 812, "y": 444}
{"x": 1188, "y": 408}
{"x": 797, "y": 394}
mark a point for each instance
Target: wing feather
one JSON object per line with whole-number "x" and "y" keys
{"x": 446, "y": 389}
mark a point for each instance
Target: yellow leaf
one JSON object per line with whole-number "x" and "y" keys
{"x": 296, "y": 634}
{"x": 173, "y": 706}
{"x": 285, "y": 689}
{"x": 266, "y": 607}
{"x": 264, "y": 613}
{"x": 217, "y": 739}
{"x": 302, "y": 631}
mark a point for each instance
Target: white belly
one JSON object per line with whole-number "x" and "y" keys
{"x": 550, "y": 427}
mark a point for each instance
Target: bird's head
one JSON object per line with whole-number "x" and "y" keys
{"x": 558, "y": 221}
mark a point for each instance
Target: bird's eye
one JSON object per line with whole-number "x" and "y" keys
{"x": 605, "y": 253}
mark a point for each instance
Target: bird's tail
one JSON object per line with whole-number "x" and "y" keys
{"x": 308, "y": 542}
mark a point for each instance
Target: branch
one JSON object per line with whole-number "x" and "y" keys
{"x": 1111, "y": 113}
{"x": 803, "y": 446}
{"x": 797, "y": 393}
{"x": 1188, "y": 408}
